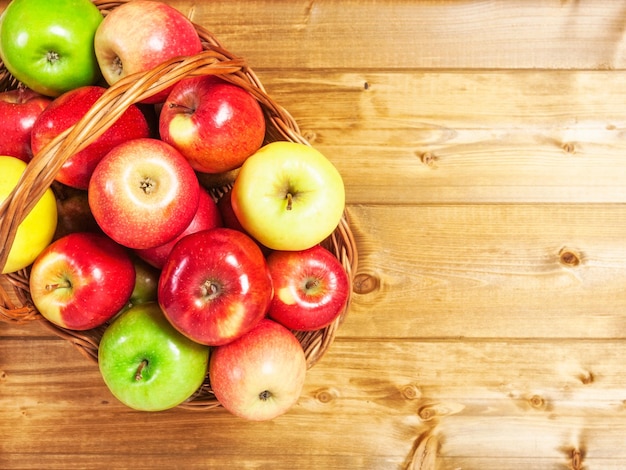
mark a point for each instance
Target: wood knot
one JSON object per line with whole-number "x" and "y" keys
{"x": 427, "y": 413}
{"x": 325, "y": 395}
{"x": 365, "y": 283}
{"x": 310, "y": 136}
{"x": 569, "y": 147}
{"x": 569, "y": 257}
{"x": 3, "y": 375}
{"x": 587, "y": 378}
{"x": 537, "y": 402}
{"x": 411, "y": 392}
{"x": 428, "y": 159}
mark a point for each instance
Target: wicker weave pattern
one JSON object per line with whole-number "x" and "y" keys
{"x": 15, "y": 302}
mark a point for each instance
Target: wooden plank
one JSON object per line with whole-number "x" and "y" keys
{"x": 509, "y": 271}
{"x": 323, "y": 34}
{"x": 462, "y": 136}
{"x": 525, "y": 400}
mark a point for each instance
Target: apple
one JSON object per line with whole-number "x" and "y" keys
{"x": 288, "y": 196}
{"x": 230, "y": 220}
{"x": 19, "y": 110}
{"x": 215, "y": 286}
{"x": 48, "y": 44}
{"x": 260, "y": 375}
{"x": 216, "y": 125}
{"x": 73, "y": 213}
{"x": 143, "y": 193}
{"x": 137, "y": 36}
{"x": 146, "y": 283}
{"x": 64, "y": 112}
{"x": 207, "y": 216}
{"x": 148, "y": 365}
{"x": 310, "y": 288}
{"x": 37, "y": 229}
{"x": 81, "y": 281}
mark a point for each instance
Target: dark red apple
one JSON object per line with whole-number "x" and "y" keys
{"x": 19, "y": 109}
{"x": 215, "y": 286}
{"x": 310, "y": 288}
{"x": 143, "y": 193}
{"x": 207, "y": 216}
{"x": 65, "y": 111}
{"x": 216, "y": 125}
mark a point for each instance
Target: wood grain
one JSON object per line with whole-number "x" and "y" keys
{"x": 482, "y": 145}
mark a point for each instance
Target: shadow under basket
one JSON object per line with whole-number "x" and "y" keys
{"x": 16, "y": 305}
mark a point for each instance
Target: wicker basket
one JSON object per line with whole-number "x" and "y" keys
{"x": 15, "y": 302}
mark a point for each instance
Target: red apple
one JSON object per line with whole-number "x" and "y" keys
{"x": 216, "y": 125}
{"x": 207, "y": 216}
{"x": 260, "y": 375}
{"x": 82, "y": 280}
{"x": 310, "y": 288}
{"x": 65, "y": 111}
{"x": 215, "y": 286}
{"x": 143, "y": 193}
{"x": 19, "y": 110}
{"x": 137, "y": 36}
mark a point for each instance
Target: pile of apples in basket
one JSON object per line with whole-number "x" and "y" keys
{"x": 128, "y": 238}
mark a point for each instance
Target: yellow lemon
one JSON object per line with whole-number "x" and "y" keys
{"x": 37, "y": 229}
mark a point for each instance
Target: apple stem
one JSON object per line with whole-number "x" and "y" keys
{"x": 187, "y": 109}
{"x": 265, "y": 395}
{"x": 289, "y": 201}
{"x": 138, "y": 375}
{"x": 58, "y": 285}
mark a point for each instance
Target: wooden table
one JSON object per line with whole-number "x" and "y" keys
{"x": 483, "y": 145}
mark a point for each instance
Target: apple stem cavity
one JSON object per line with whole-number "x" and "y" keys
{"x": 210, "y": 290}
{"x": 52, "y": 57}
{"x": 265, "y": 395}
{"x": 140, "y": 368}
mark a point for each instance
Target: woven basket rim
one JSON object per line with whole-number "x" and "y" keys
{"x": 16, "y": 306}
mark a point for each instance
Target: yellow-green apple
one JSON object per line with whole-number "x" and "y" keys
{"x": 260, "y": 375}
{"x": 310, "y": 288}
{"x": 216, "y": 125}
{"x": 37, "y": 229}
{"x": 148, "y": 365}
{"x": 146, "y": 283}
{"x": 19, "y": 110}
{"x": 215, "y": 286}
{"x": 288, "y": 196}
{"x": 207, "y": 216}
{"x": 48, "y": 44}
{"x": 65, "y": 111}
{"x": 143, "y": 193}
{"x": 81, "y": 280}
{"x": 137, "y": 36}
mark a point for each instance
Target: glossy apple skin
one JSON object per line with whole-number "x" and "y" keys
{"x": 207, "y": 217}
{"x": 81, "y": 281}
{"x": 65, "y": 111}
{"x": 288, "y": 196}
{"x": 19, "y": 110}
{"x": 139, "y": 35}
{"x": 310, "y": 288}
{"x": 215, "y": 286}
{"x": 64, "y": 28}
{"x": 174, "y": 366}
{"x": 260, "y": 375}
{"x": 143, "y": 193}
{"x": 216, "y": 125}
{"x": 37, "y": 229}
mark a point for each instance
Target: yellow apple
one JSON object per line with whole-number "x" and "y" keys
{"x": 288, "y": 196}
{"x": 37, "y": 229}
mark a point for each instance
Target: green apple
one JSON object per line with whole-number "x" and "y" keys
{"x": 48, "y": 44}
{"x": 288, "y": 196}
{"x": 146, "y": 363}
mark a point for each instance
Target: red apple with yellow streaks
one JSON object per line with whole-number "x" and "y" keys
{"x": 143, "y": 193}
{"x": 216, "y": 125}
